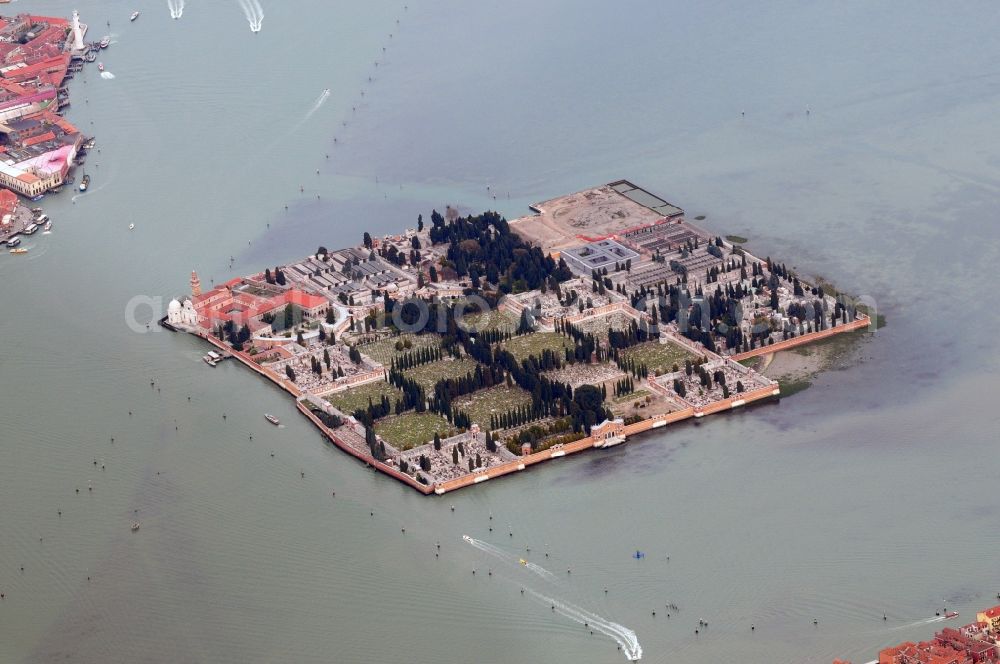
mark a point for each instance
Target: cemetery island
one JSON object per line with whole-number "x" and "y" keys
{"x": 468, "y": 348}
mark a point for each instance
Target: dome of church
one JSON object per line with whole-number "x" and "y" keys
{"x": 174, "y": 306}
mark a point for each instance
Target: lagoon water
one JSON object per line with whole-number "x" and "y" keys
{"x": 873, "y": 491}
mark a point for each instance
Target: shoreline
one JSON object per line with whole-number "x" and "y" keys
{"x": 598, "y": 434}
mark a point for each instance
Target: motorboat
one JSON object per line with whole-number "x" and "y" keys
{"x": 272, "y": 419}
{"x": 105, "y": 41}
{"x": 209, "y": 361}
{"x": 47, "y": 227}
{"x": 467, "y": 538}
{"x": 523, "y": 562}
{"x": 84, "y": 182}
{"x": 18, "y": 252}
{"x": 134, "y": 16}
{"x": 30, "y": 229}
{"x": 131, "y": 227}
{"x": 135, "y": 526}
{"x": 100, "y": 66}
{"x": 950, "y": 614}
{"x": 13, "y": 242}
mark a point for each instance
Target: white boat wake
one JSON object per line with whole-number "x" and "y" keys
{"x": 319, "y": 102}
{"x": 107, "y": 76}
{"x": 254, "y": 13}
{"x": 176, "y": 8}
{"x": 625, "y": 637}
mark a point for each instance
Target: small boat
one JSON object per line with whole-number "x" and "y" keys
{"x": 135, "y": 526}
{"x": 85, "y": 182}
{"x": 467, "y": 538}
{"x": 950, "y": 614}
{"x": 523, "y": 562}
{"x": 272, "y": 419}
{"x": 209, "y": 361}
{"x": 36, "y": 210}
{"x": 13, "y": 242}
{"x": 105, "y": 41}
{"x": 35, "y": 199}
{"x": 131, "y": 227}
{"x": 89, "y": 145}
{"x": 134, "y": 16}
{"x": 30, "y": 229}
{"x": 47, "y": 227}
{"x": 100, "y": 66}
{"x": 18, "y": 252}
{"x": 91, "y": 57}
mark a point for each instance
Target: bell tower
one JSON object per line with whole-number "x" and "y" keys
{"x": 195, "y": 284}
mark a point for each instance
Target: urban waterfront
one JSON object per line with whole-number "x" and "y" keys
{"x": 870, "y": 492}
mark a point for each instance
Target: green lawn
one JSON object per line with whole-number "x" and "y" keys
{"x": 412, "y": 429}
{"x": 429, "y": 374}
{"x": 492, "y": 320}
{"x": 384, "y": 350}
{"x": 660, "y": 358}
{"x": 527, "y": 345}
{"x": 498, "y": 399}
{"x": 357, "y": 397}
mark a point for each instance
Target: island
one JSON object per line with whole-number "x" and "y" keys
{"x": 38, "y": 147}
{"x": 469, "y": 348}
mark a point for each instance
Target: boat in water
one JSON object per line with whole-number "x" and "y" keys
{"x": 131, "y": 227}
{"x": 47, "y": 227}
{"x": 90, "y": 57}
{"x": 105, "y": 41}
{"x": 134, "y": 16}
{"x": 85, "y": 182}
{"x": 13, "y": 242}
{"x": 135, "y": 526}
{"x": 272, "y": 419}
{"x": 30, "y": 229}
{"x": 467, "y": 538}
{"x": 950, "y": 614}
{"x": 18, "y": 252}
{"x": 100, "y": 66}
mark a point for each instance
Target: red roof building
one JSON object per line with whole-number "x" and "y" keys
{"x": 925, "y": 652}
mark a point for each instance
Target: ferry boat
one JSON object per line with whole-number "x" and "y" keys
{"x": 105, "y": 41}
{"x": 134, "y": 16}
{"x": 100, "y": 66}
{"x": 85, "y": 182}
{"x": 17, "y": 252}
{"x": 272, "y": 419}
{"x": 30, "y": 229}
